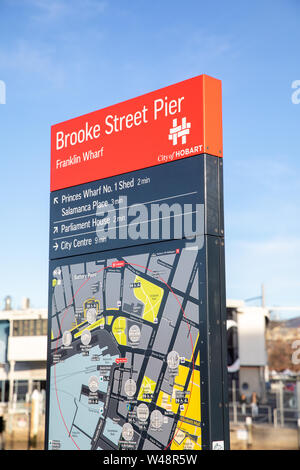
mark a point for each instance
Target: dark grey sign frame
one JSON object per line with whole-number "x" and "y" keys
{"x": 213, "y": 336}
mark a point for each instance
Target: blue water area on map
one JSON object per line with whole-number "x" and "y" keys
{"x": 87, "y": 416}
{"x": 112, "y": 431}
{"x": 82, "y": 441}
{"x": 68, "y": 406}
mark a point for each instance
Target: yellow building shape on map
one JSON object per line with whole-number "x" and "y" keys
{"x": 193, "y": 357}
{"x": 91, "y": 303}
{"x": 94, "y": 325}
{"x": 151, "y": 296}
{"x": 167, "y": 402}
{"x": 147, "y": 388}
{"x": 119, "y": 330}
{"x": 113, "y": 311}
{"x": 186, "y": 437}
{"x": 193, "y": 407}
{"x": 182, "y": 375}
{"x": 78, "y": 325}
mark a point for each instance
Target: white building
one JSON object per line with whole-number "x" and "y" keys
{"x": 23, "y": 350}
{"x": 23, "y": 353}
{"x": 248, "y": 360}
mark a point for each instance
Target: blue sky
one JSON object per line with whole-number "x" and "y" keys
{"x": 60, "y": 59}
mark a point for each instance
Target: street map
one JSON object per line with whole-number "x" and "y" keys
{"x": 124, "y": 349}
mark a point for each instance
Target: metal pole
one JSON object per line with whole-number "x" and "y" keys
{"x": 281, "y": 404}
{"x": 10, "y": 400}
{"x": 234, "y": 402}
{"x": 275, "y": 417}
{"x": 269, "y": 415}
{"x": 34, "y": 415}
{"x": 29, "y": 425}
{"x": 263, "y": 301}
{"x": 298, "y": 399}
{"x": 249, "y": 429}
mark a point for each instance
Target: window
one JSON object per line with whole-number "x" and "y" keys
{"x": 39, "y": 385}
{"x": 18, "y": 328}
{"x": 26, "y": 327}
{"x": 245, "y": 386}
{"x": 21, "y": 390}
{"x": 30, "y": 327}
{"x": 44, "y": 327}
{"x": 4, "y": 391}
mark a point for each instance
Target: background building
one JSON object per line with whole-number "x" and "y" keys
{"x": 23, "y": 351}
{"x": 23, "y": 354}
{"x": 247, "y": 351}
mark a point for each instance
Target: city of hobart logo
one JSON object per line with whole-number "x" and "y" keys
{"x": 181, "y": 130}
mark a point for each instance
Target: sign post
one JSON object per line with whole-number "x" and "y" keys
{"x": 137, "y": 318}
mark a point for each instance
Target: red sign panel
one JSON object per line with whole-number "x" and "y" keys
{"x": 118, "y": 264}
{"x": 121, "y": 360}
{"x": 175, "y": 122}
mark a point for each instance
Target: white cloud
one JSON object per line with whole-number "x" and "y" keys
{"x": 53, "y": 10}
{"x": 49, "y": 10}
{"x": 28, "y": 60}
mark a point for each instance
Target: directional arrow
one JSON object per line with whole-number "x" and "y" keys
{"x": 55, "y": 246}
{"x": 55, "y": 200}
{"x": 55, "y": 230}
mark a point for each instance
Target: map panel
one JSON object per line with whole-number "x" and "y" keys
{"x": 124, "y": 363}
